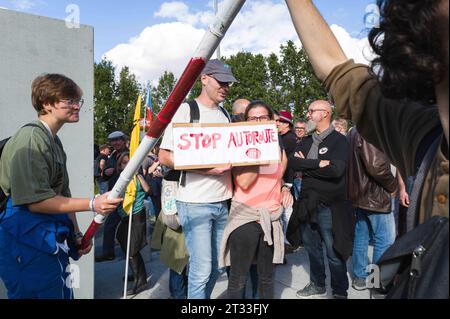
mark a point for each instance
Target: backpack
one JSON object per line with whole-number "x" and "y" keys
{"x": 3, "y": 197}
{"x": 416, "y": 265}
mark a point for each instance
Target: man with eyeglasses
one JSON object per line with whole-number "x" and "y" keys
{"x": 300, "y": 130}
{"x": 321, "y": 212}
{"x": 203, "y": 195}
{"x": 38, "y": 228}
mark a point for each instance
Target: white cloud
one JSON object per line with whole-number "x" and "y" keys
{"x": 357, "y": 49}
{"x": 159, "y": 48}
{"x": 168, "y": 46}
{"x": 180, "y": 11}
{"x": 26, "y": 4}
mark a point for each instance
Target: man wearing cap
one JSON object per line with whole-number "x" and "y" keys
{"x": 285, "y": 126}
{"x": 117, "y": 140}
{"x": 202, "y": 199}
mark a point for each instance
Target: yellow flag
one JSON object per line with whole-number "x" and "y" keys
{"x": 130, "y": 193}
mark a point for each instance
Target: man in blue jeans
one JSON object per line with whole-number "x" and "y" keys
{"x": 202, "y": 199}
{"x": 372, "y": 187}
{"x": 320, "y": 212}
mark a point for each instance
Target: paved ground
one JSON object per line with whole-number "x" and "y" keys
{"x": 288, "y": 278}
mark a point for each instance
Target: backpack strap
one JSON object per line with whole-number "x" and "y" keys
{"x": 225, "y": 112}
{"x": 195, "y": 111}
{"x": 413, "y": 210}
{"x": 195, "y": 118}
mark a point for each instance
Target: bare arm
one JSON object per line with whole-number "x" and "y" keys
{"x": 245, "y": 176}
{"x": 165, "y": 157}
{"x": 404, "y": 196}
{"x": 64, "y": 205}
{"x": 144, "y": 183}
{"x": 322, "y": 47}
{"x": 102, "y": 165}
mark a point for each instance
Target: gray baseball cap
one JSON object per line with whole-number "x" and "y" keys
{"x": 220, "y": 71}
{"x": 115, "y": 135}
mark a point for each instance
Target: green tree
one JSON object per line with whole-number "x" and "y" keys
{"x": 251, "y": 72}
{"x": 105, "y": 88}
{"x": 128, "y": 91}
{"x": 115, "y": 101}
{"x": 299, "y": 85}
{"x": 166, "y": 83}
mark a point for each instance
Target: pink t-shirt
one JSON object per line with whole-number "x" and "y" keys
{"x": 265, "y": 191}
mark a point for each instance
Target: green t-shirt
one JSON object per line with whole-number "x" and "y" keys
{"x": 33, "y": 166}
{"x": 138, "y": 203}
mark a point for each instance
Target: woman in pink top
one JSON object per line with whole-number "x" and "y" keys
{"x": 254, "y": 231}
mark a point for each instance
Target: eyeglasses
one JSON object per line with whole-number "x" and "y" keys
{"x": 312, "y": 111}
{"x": 222, "y": 84}
{"x": 259, "y": 118}
{"x": 72, "y": 102}
{"x": 300, "y": 128}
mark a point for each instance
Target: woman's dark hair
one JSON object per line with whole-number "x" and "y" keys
{"x": 408, "y": 45}
{"x": 258, "y": 103}
{"x": 120, "y": 159}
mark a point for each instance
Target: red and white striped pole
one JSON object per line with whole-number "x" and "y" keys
{"x": 205, "y": 50}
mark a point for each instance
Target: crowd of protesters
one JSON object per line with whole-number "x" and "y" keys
{"x": 337, "y": 189}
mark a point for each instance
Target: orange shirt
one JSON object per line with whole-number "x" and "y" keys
{"x": 265, "y": 191}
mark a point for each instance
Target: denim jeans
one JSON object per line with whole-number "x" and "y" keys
{"x": 178, "y": 284}
{"x": 371, "y": 226}
{"x": 313, "y": 236}
{"x": 203, "y": 225}
{"x": 102, "y": 186}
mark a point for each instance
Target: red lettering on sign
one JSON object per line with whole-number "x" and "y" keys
{"x": 216, "y": 137}
{"x": 197, "y": 139}
{"x": 237, "y": 139}
{"x": 184, "y": 138}
{"x": 206, "y": 141}
{"x": 254, "y": 153}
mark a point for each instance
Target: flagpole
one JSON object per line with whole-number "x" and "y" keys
{"x": 216, "y": 11}
{"x": 125, "y": 284}
{"x": 205, "y": 50}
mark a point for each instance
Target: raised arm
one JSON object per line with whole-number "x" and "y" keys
{"x": 322, "y": 47}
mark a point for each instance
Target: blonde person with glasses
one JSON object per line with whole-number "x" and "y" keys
{"x": 254, "y": 230}
{"x": 38, "y": 227}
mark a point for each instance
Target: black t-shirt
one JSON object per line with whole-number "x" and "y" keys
{"x": 97, "y": 170}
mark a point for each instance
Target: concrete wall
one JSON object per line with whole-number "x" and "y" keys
{"x": 29, "y": 46}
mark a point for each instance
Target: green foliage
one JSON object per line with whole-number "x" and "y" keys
{"x": 115, "y": 101}
{"x": 279, "y": 80}
{"x": 160, "y": 94}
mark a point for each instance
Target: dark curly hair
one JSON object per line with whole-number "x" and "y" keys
{"x": 408, "y": 45}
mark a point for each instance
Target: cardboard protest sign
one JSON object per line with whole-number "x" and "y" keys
{"x": 240, "y": 144}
